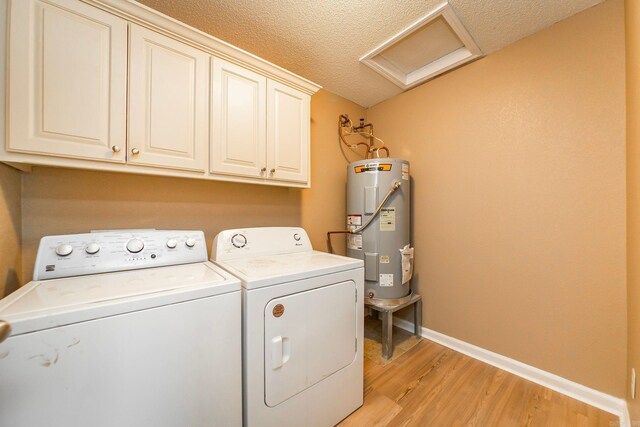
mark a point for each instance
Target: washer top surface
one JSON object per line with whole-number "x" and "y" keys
{"x": 50, "y": 303}
{"x": 79, "y": 277}
{"x": 272, "y": 255}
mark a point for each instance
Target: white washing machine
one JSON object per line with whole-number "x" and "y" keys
{"x": 302, "y": 327}
{"x": 158, "y": 345}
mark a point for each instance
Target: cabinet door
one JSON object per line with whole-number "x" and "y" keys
{"x": 288, "y": 120}
{"x": 168, "y": 102}
{"x": 67, "y": 80}
{"x": 238, "y": 137}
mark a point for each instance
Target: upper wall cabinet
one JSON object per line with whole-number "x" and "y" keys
{"x": 238, "y": 119}
{"x": 260, "y": 127}
{"x": 287, "y": 133}
{"x": 168, "y": 102}
{"x": 113, "y": 85}
{"x": 67, "y": 86}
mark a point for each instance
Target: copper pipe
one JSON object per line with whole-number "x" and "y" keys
{"x": 368, "y": 125}
{"x": 382, "y": 148}
{"x": 370, "y": 133}
{"x": 341, "y": 135}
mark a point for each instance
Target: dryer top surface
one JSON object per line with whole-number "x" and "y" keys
{"x": 255, "y": 272}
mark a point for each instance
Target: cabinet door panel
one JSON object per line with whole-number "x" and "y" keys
{"x": 287, "y": 133}
{"x": 238, "y": 119}
{"x": 67, "y": 84}
{"x": 168, "y": 99}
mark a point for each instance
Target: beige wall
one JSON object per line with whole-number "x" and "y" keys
{"x": 518, "y": 162}
{"x": 323, "y": 206}
{"x": 10, "y": 230}
{"x": 10, "y": 200}
{"x": 59, "y": 201}
{"x": 632, "y": 25}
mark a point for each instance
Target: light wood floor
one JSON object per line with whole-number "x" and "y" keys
{"x": 431, "y": 385}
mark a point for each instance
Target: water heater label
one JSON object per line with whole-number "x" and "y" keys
{"x": 354, "y": 219}
{"x": 386, "y": 280}
{"x": 405, "y": 171}
{"x": 388, "y": 219}
{"x": 373, "y": 167}
{"x": 354, "y": 241}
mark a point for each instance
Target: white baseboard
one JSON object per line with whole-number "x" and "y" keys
{"x": 608, "y": 403}
{"x": 625, "y": 419}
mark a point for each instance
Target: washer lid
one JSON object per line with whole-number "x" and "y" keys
{"x": 256, "y": 272}
{"x": 51, "y": 303}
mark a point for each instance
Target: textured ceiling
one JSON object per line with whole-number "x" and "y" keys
{"x": 323, "y": 40}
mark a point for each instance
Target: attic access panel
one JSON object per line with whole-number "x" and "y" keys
{"x": 432, "y": 45}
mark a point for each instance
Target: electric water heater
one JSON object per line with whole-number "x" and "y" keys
{"x": 378, "y": 218}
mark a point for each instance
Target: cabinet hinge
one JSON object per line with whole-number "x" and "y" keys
{"x": 356, "y": 349}
{"x": 356, "y": 294}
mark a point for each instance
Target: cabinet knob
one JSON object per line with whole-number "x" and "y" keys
{"x": 135, "y": 151}
{"x": 272, "y": 171}
{"x": 115, "y": 148}
{"x": 263, "y": 170}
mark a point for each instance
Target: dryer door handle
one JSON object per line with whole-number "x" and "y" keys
{"x": 280, "y": 351}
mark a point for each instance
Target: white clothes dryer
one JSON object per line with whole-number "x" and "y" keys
{"x": 302, "y": 327}
{"x": 158, "y": 345}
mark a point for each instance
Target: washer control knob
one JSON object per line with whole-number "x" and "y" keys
{"x": 190, "y": 242}
{"x": 92, "y": 248}
{"x": 296, "y": 237}
{"x": 239, "y": 240}
{"x": 64, "y": 249}
{"x": 172, "y": 243}
{"x": 135, "y": 245}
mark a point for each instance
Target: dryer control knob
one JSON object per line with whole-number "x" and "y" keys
{"x": 191, "y": 242}
{"x": 239, "y": 240}
{"x": 92, "y": 248}
{"x": 296, "y": 237}
{"x": 64, "y": 249}
{"x": 172, "y": 243}
{"x": 135, "y": 245}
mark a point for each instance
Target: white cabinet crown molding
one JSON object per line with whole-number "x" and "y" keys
{"x": 159, "y": 22}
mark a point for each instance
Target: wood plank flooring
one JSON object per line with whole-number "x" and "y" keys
{"x": 431, "y": 385}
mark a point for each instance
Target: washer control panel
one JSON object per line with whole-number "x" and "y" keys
{"x": 108, "y": 251}
{"x": 252, "y": 242}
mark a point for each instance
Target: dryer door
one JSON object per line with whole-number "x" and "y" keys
{"x": 308, "y": 336}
